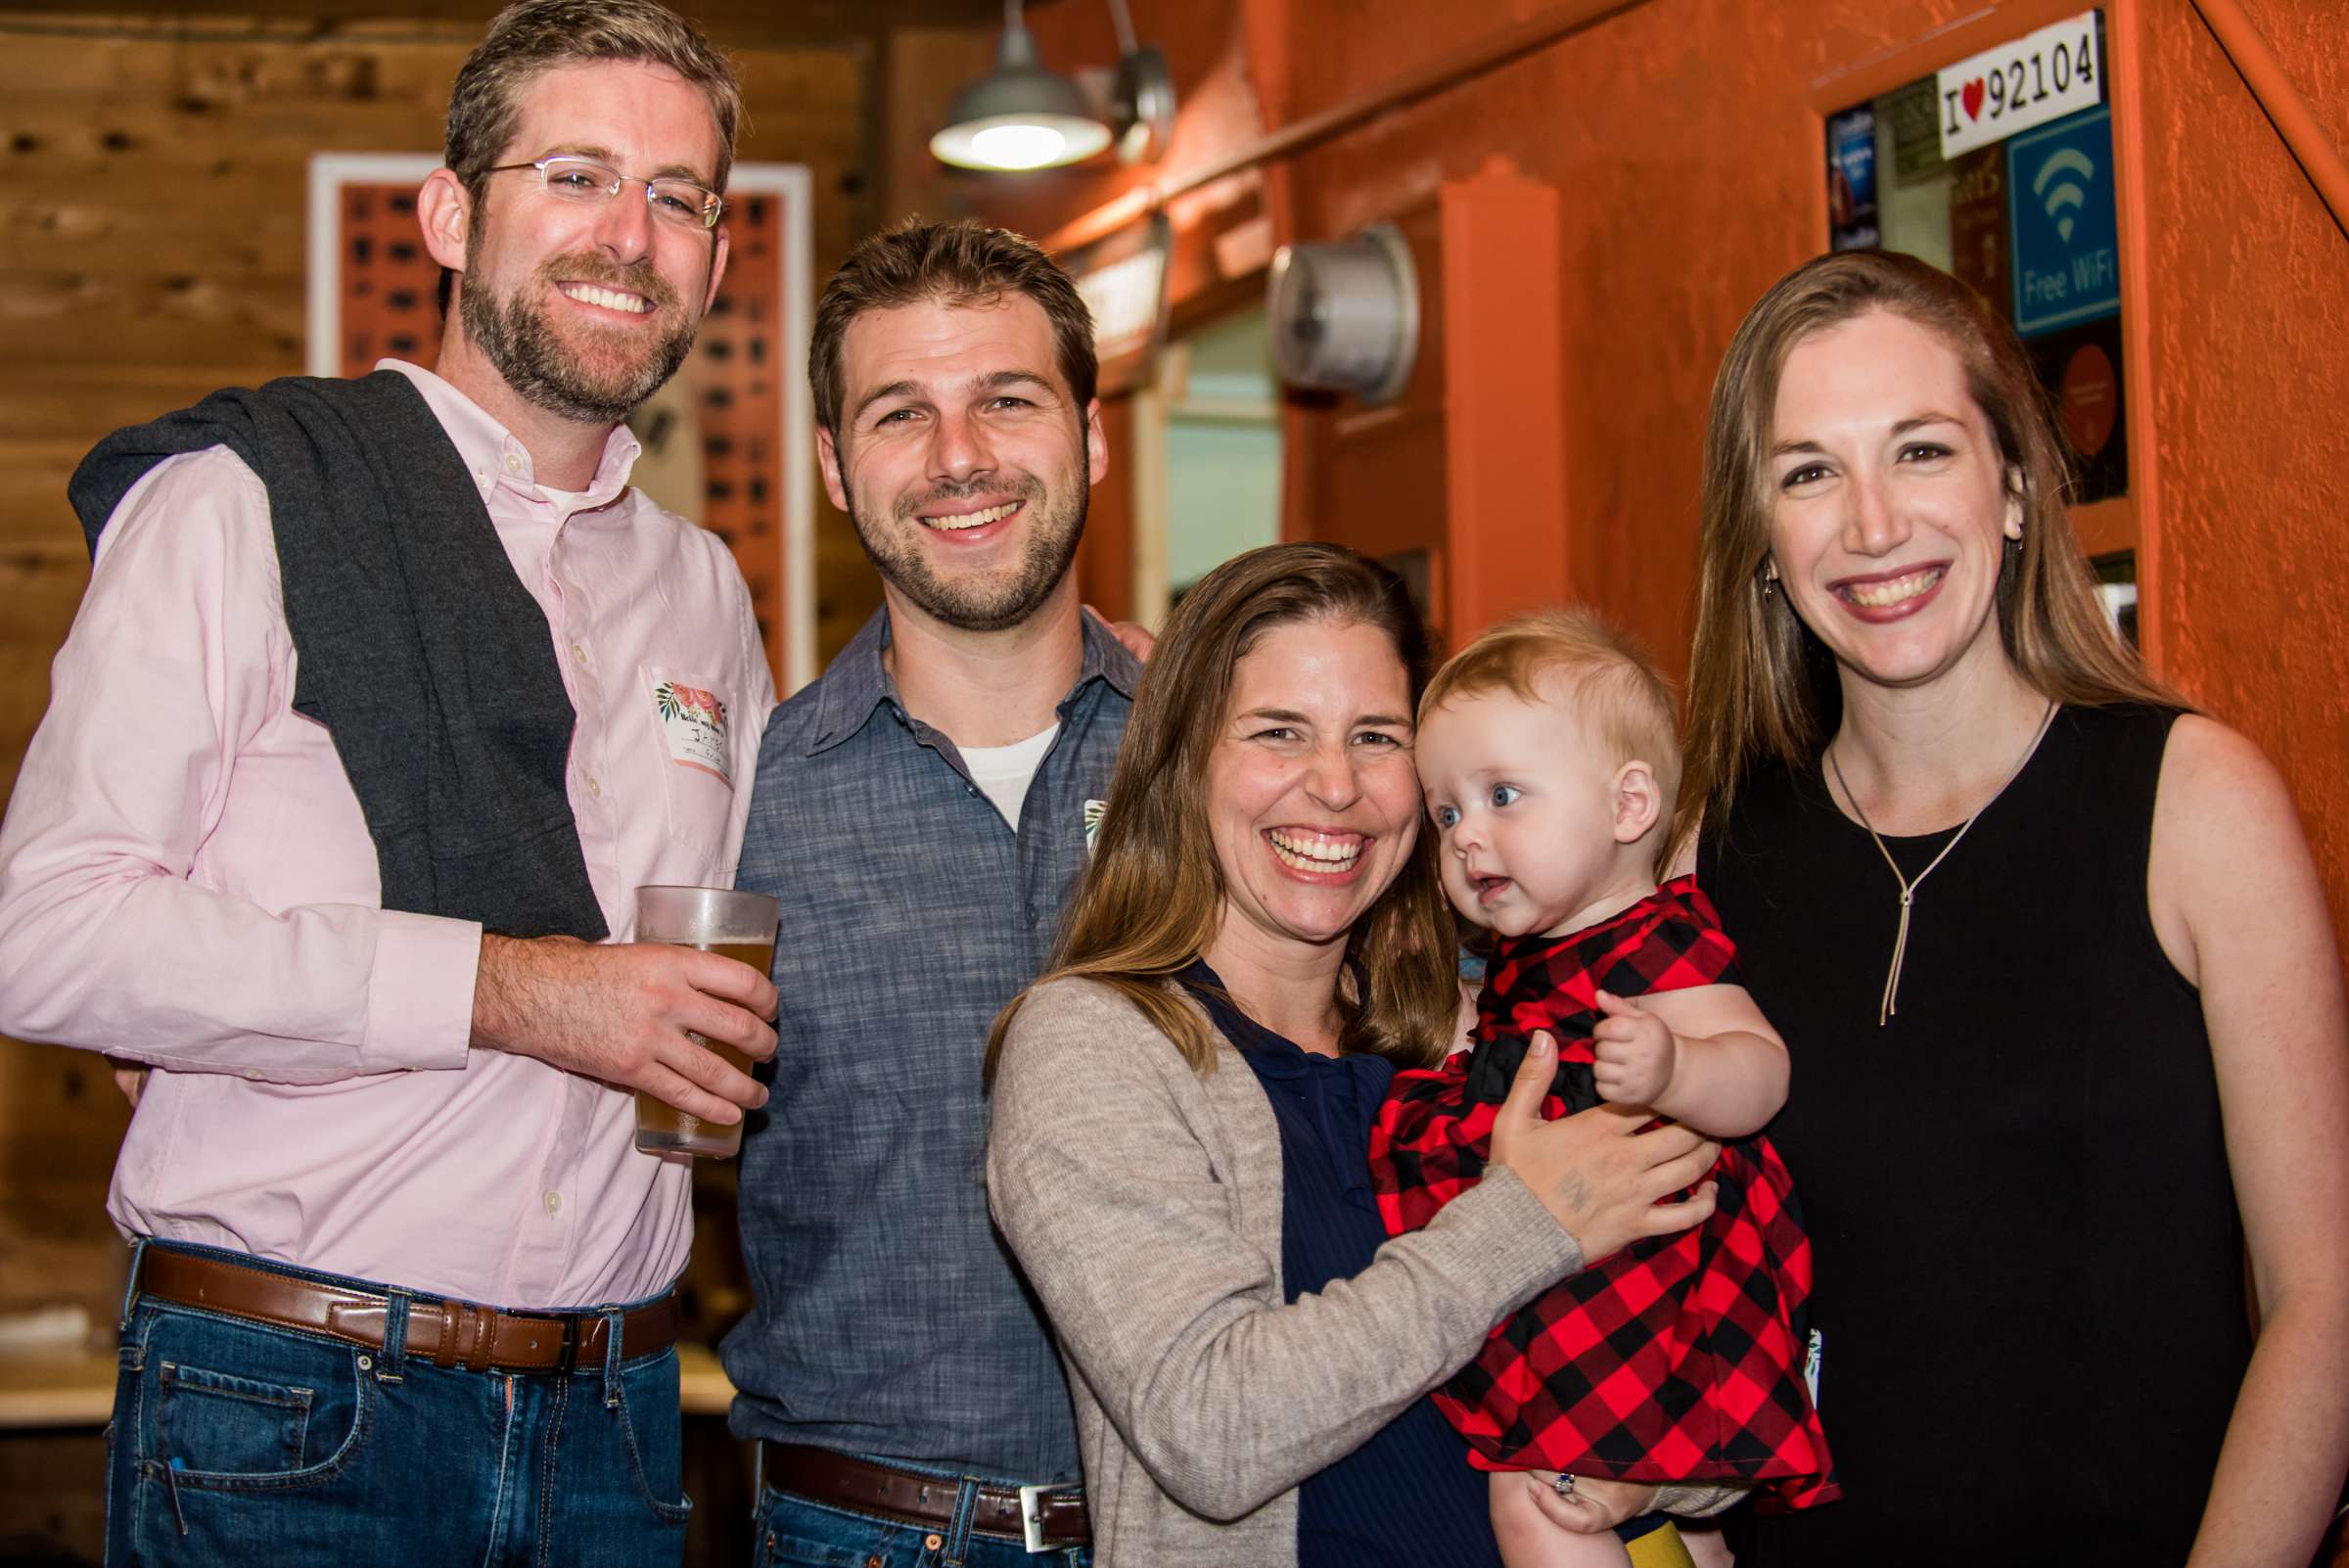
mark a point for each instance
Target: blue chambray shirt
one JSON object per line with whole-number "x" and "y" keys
{"x": 890, "y": 1320}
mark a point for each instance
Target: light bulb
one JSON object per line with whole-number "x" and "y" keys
{"x": 1018, "y": 146}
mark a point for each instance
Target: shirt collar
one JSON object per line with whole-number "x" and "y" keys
{"x": 858, "y": 681}
{"x": 1106, "y": 658}
{"x": 493, "y": 455}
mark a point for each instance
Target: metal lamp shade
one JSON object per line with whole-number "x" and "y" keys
{"x": 1020, "y": 117}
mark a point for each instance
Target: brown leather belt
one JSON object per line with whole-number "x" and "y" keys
{"x": 1046, "y": 1518}
{"x": 448, "y": 1333}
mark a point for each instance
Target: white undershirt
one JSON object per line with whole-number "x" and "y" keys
{"x": 1006, "y": 772}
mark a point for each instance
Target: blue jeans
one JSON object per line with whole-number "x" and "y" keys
{"x": 241, "y": 1443}
{"x": 797, "y": 1532}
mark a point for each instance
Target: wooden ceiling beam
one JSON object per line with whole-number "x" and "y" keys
{"x": 736, "y": 24}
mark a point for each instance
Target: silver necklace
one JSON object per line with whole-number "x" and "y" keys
{"x": 1910, "y": 885}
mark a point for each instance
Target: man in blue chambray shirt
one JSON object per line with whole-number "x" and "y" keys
{"x": 920, "y": 812}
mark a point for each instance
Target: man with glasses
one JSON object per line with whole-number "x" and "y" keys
{"x": 353, "y": 762}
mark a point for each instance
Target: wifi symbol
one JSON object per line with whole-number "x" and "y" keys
{"x": 2068, "y": 193}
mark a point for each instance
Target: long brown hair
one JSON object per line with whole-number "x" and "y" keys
{"x": 1151, "y": 899}
{"x": 1753, "y": 696}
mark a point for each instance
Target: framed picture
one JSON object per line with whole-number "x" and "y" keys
{"x": 728, "y": 442}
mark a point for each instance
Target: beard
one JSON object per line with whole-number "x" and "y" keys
{"x": 598, "y": 381}
{"x": 978, "y": 601}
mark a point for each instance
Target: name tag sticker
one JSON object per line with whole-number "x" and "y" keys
{"x": 693, "y": 720}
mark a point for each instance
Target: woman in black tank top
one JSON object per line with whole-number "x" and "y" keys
{"x": 2051, "y": 959}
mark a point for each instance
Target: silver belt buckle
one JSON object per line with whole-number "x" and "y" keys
{"x": 1032, "y": 1511}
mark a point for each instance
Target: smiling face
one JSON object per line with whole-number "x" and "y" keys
{"x": 1540, "y": 827}
{"x": 586, "y": 307}
{"x": 962, "y": 457}
{"x": 1312, "y": 803}
{"x": 1891, "y": 501}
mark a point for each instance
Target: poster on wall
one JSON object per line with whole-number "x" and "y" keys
{"x": 2066, "y": 286}
{"x": 727, "y": 442}
{"x": 1852, "y": 179}
{"x": 2065, "y": 223}
{"x": 2081, "y": 367}
{"x": 1978, "y": 242}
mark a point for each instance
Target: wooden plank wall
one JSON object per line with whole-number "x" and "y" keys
{"x": 152, "y": 193}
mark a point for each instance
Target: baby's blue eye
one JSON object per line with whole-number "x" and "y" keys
{"x": 1503, "y": 794}
{"x": 1447, "y": 815}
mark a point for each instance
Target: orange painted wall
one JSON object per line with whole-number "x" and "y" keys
{"x": 1683, "y": 138}
{"x": 2250, "y": 339}
{"x": 1685, "y": 145}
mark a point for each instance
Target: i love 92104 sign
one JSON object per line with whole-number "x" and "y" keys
{"x": 2052, "y": 73}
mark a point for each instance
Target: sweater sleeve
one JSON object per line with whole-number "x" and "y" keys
{"x": 1105, "y": 1176}
{"x": 109, "y": 939}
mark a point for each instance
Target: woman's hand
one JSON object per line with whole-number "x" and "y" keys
{"x": 1597, "y": 1175}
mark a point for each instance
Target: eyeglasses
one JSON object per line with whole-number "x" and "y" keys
{"x": 586, "y": 179}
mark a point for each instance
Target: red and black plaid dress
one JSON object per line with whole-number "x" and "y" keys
{"x": 1678, "y": 1358}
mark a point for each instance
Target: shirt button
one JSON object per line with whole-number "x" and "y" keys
{"x": 513, "y": 462}
{"x": 578, "y": 653}
{"x": 594, "y": 788}
{"x": 554, "y": 1202}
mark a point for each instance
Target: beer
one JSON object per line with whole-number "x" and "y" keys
{"x": 740, "y": 926}
{"x": 662, "y": 1129}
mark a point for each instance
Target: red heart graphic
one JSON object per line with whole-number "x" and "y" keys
{"x": 1971, "y": 97}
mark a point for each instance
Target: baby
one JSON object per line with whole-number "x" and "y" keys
{"x": 1549, "y": 752}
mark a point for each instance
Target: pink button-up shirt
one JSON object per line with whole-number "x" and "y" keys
{"x": 186, "y": 880}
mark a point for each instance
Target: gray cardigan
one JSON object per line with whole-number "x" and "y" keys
{"x": 1145, "y": 1203}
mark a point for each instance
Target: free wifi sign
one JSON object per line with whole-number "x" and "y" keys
{"x": 2061, "y": 213}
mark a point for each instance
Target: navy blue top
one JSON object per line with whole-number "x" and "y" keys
{"x": 1406, "y": 1497}
{"x": 890, "y": 1317}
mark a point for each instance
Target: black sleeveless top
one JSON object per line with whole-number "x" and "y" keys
{"x": 2030, "y": 1277}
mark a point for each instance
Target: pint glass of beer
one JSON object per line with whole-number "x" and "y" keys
{"x": 733, "y": 925}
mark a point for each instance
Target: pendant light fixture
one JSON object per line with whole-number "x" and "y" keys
{"x": 1023, "y": 117}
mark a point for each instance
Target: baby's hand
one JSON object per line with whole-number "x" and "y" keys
{"x": 1593, "y": 1507}
{"x": 1636, "y": 1054}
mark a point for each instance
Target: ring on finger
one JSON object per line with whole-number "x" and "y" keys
{"x": 1563, "y": 1484}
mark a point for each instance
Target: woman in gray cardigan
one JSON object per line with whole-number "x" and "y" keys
{"x": 1260, "y": 874}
